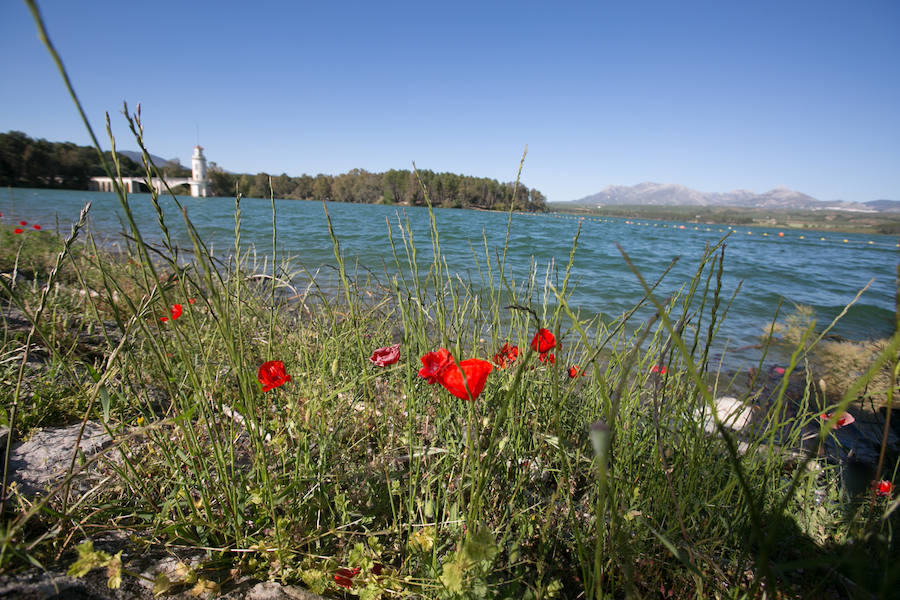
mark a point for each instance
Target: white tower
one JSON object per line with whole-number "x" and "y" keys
{"x": 198, "y": 173}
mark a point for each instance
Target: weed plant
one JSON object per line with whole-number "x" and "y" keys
{"x": 351, "y": 478}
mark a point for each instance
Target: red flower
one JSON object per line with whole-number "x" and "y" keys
{"x": 175, "y": 311}
{"x": 573, "y": 371}
{"x": 17, "y": 230}
{"x": 507, "y": 355}
{"x": 191, "y": 300}
{"x": 543, "y": 341}
{"x": 23, "y": 223}
{"x": 36, "y": 226}
{"x": 386, "y": 356}
{"x": 271, "y": 375}
{"x": 434, "y": 363}
{"x": 659, "y": 369}
{"x": 545, "y": 356}
{"x": 883, "y": 488}
{"x": 475, "y": 371}
{"x": 843, "y": 421}
{"x": 344, "y": 577}
{"x": 439, "y": 367}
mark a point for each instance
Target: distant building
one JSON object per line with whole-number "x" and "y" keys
{"x": 199, "y": 179}
{"x": 198, "y": 182}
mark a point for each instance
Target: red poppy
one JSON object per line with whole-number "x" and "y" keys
{"x": 434, "y": 363}
{"x": 439, "y": 367}
{"x": 175, "y": 311}
{"x": 386, "y": 356}
{"x": 475, "y": 371}
{"x": 545, "y": 356}
{"x": 659, "y": 369}
{"x": 344, "y": 577}
{"x": 843, "y": 421}
{"x": 191, "y": 300}
{"x": 23, "y": 223}
{"x": 507, "y": 355}
{"x": 778, "y": 370}
{"x": 883, "y": 488}
{"x": 573, "y": 371}
{"x": 543, "y": 340}
{"x": 17, "y": 230}
{"x": 36, "y": 226}
{"x": 272, "y": 375}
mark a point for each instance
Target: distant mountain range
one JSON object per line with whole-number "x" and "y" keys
{"x": 134, "y": 155}
{"x": 670, "y": 194}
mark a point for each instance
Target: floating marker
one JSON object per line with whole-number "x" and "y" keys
{"x": 871, "y": 242}
{"x": 821, "y": 238}
{"x": 801, "y": 237}
{"x": 765, "y": 234}
{"x": 780, "y": 234}
{"x": 845, "y": 240}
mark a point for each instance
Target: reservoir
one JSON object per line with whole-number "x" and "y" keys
{"x": 823, "y": 270}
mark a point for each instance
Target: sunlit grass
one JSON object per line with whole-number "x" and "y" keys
{"x": 354, "y": 478}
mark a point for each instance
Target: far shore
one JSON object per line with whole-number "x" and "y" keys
{"x": 883, "y": 223}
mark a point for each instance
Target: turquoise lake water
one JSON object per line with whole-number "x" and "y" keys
{"x": 825, "y": 274}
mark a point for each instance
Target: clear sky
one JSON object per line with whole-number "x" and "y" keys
{"x": 713, "y": 95}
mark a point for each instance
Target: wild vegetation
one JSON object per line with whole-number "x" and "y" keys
{"x": 414, "y": 434}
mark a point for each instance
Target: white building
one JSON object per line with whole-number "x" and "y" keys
{"x": 199, "y": 178}
{"x": 198, "y": 182}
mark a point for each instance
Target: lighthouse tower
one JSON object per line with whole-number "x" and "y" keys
{"x": 198, "y": 173}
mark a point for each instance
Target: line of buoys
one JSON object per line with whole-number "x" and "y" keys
{"x": 779, "y": 234}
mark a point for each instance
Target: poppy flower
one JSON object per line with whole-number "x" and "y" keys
{"x": 543, "y": 340}
{"x": 23, "y": 223}
{"x": 778, "y": 370}
{"x": 36, "y": 226}
{"x": 434, "y": 363}
{"x": 545, "y": 356}
{"x": 475, "y": 371}
{"x": 272, "y": 375}
{"x": 344, "y": 577}
{"x": 191, "y": 300}
{"x": 883, "y": 488}
{"x": 439, "y": 367}
{"x": 573, "y": 371}
{"x": 843, "y": 421}
{"x": 17, "y": 230}
{"x": 507, "y": 355}
{"x": 386, "y": 356}
{"x": 175, "y": 311}
{"x": 659, "y": 369}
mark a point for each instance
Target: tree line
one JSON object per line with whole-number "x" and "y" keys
{"x": 28, "y": 162}
{"x": 448, "y": 190}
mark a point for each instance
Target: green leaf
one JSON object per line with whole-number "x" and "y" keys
{"x": 88, "y": 558}
{"x": 453, "y": 575}
{"x": 114, "y": 572}
{"x": 161, "y": 585}
{"x": 104, "y": 403}
{"x": 480, "y": 544}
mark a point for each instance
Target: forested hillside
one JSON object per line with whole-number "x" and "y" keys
{"x": 27, "y": 162}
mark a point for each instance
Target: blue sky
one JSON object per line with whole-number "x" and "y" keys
{"x": 713, "y": 95}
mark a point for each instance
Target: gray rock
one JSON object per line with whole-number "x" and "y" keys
{"x": 44, "y": 459}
